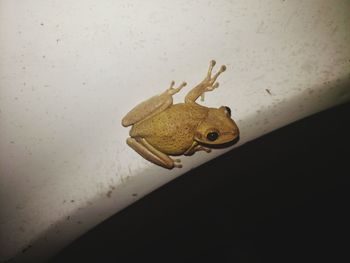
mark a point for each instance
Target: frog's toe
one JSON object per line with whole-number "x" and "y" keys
{"x": 177, "y": 163}
{"x": 173, "y": 90}
{"x": 212, "y": 87}
{"x": 207, "y": 150}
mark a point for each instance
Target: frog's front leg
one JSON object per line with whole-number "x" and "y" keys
{"x": 147, "y": 151}
{"x": 195, "y": 147}
{"x": 208, "y": 84}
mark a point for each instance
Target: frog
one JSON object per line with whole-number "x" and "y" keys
{"x": 160, "y": 128}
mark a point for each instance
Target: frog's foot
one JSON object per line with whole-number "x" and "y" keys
{"x": 208, "y": 84}
{"x": 172, "y": 90}
{"x": 202, "y": 148}
{"x": 209, "y": 88}
{"x": 195, "y": 147}
{"x": 147, "y": 151}
{"x": 177, "y": 163}
{"x": 210, "y": 71}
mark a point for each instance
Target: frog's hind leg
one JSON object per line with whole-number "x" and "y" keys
{"x": 147, "y": 151}
{"x": 208, "y": 84}
{"x": 152, "y": 106}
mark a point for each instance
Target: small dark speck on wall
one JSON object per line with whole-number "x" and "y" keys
{"x": 24, "y": 250}
{"x": 311, "y": 91}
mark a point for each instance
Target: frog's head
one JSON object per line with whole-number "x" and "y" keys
{"x": 217, "y": 128}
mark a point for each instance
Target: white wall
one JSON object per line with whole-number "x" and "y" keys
{"x": 70, "y": 70}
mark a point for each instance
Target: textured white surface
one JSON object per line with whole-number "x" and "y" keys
{"x": 70, "y": 70}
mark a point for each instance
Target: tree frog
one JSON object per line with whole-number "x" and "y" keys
{"x": 161, "y": 128}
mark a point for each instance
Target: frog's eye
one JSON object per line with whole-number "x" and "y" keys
{"x": 212, "y": 136}
{"x": 228, "y": 111}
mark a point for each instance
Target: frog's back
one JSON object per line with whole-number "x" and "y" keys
{"x": 172, "y": 130}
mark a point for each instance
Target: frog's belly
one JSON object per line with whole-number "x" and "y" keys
{"x": 171, "y": 145}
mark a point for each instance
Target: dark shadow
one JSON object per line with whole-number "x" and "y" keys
{"x": 281, "y": 198}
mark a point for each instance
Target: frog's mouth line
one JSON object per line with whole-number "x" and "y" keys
{"x": 227, "y": 133}
{"x": 222, "y": 145}
{"x": 198, "y": 138}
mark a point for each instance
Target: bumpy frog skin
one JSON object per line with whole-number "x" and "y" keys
{"x": 160, "y": 128}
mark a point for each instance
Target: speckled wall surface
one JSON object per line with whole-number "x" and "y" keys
{"x": 70, "y": 70}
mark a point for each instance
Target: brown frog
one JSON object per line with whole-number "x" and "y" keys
{"x": 160, "y": 128}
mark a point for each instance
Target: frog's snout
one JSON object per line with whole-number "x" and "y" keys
{"x": 236, "y": 131}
